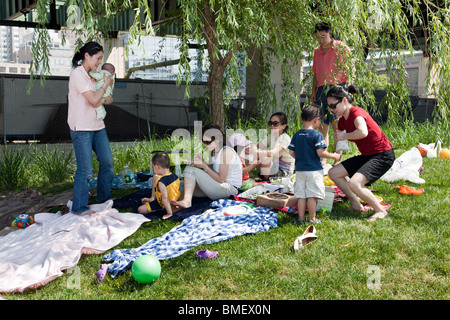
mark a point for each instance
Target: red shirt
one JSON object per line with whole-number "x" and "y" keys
{"x": 375, "y": 142}
{"x": 329, "y": 66}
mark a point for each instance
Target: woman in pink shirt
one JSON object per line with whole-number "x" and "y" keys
{"x": 377, "y": 154}
{"x": 87, "y": 132}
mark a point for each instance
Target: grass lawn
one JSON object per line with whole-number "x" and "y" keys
{"x": 404, "y": 256}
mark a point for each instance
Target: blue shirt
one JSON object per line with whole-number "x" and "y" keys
{"x": 305, "y": 143}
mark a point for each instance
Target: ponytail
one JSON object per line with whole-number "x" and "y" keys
{"x": 76, "y": 60}
{"x": 341, "y": 92}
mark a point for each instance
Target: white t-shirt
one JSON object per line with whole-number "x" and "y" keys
{"x": 234, "y": 176}
{"x": 286, "y": 162}
{"x": 81, "y": 114}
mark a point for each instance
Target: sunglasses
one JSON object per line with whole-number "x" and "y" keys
{"x": 209, "y": 142}
{"x": 273, "y": 123}
{"x": 334, "y": 105}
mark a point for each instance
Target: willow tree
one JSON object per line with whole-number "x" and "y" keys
{"x": 282, "y": 31}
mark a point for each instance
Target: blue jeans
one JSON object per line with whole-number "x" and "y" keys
{"x": 321, "y": 100}
{"x": 84, "y": 142}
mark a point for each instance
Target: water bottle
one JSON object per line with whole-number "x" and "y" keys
{"x": 128, "y": 178}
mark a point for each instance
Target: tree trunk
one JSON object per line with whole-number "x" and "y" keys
{"x": 215, "y": 78}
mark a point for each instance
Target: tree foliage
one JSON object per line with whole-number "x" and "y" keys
{"x": 282, "y": 31}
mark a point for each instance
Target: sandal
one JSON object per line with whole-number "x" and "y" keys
{"x": 308, "y": 236}
{"x": 101, "y": 273}
{"x": 206, "y": 254}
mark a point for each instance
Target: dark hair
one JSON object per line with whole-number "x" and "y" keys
{"x": 283, "y": 119}
{"x": 213, "y": 131}
{"x": 341, "y": 92}
{"x": 161, "y": 159}
{"x": 311, "y": 111}
{"x": 322, "y": 27}
{"x": 91, "y": 47}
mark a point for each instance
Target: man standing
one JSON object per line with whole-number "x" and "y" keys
{"x": 329, "y": 69}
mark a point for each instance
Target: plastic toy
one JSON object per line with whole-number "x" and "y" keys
{"x": 146, "y": 269}
{"x": 444, "y": 153}
{"x": 23, "y": 221}
{"x": 409, "y": 190}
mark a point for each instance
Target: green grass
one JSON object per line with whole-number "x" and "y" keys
{"x": 410, "y": 248}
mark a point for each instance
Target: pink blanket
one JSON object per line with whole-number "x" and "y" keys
{"x": 34, "y": 256}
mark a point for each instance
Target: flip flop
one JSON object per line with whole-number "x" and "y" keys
{"x": 308, "y": 236}
{"x": 101, "y": 273}
{"x": 206, "y": 254}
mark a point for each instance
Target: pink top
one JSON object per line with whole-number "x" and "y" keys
{"x": 325, "y": 64}
{"x": 81, "y": 114}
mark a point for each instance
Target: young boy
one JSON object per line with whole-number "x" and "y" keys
{"x": 165, "y": 187}
{"x": 99, "y": 76}
{"x": 307, "y": 147}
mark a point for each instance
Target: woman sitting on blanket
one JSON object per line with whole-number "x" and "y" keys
{"x": 272, "y": 151}
{"x": 219, "y": 179}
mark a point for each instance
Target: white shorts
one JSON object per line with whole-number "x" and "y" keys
{"x": 309, "y": 184}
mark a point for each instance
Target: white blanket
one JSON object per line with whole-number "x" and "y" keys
{"x": 34, "y": 256}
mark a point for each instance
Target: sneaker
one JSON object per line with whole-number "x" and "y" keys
{"x": 375, "y": 216}
{"x": 315, "y": 221}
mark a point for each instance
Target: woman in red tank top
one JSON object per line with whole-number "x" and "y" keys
{"x": 377, "y": 154}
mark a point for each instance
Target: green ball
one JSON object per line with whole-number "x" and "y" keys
{"x": 146, "y": 269}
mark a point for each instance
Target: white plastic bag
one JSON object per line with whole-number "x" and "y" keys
{"x": 431, "y": 150}
{"x": 342, "y": 145}
{"x": 405, "y": 167}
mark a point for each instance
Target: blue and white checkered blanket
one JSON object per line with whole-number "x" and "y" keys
{"x": 210, "y": 227}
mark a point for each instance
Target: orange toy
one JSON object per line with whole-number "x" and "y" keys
{"x": 444, "y": 153}
{"x": 423, "y": 151}
{"x": 409, "y": 190}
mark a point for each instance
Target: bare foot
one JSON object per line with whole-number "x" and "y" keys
{"x": 378, "y": 215}
{"x": 166, "y": 216}
{"x": 359, "y": 208}
{"x": 179, "y": 205}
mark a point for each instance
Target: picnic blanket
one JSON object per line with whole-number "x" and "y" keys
{"x": 133, "y": 201}
{"x": 34, "y": 256}
{"x": 210, "y": 227}
{"x": 29, "y": 202}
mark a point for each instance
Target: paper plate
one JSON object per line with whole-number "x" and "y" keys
{"x": 236, "y": 210}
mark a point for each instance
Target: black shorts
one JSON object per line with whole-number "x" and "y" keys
{"x": 153, "y": 206}
{"x": 372, "y": 167}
